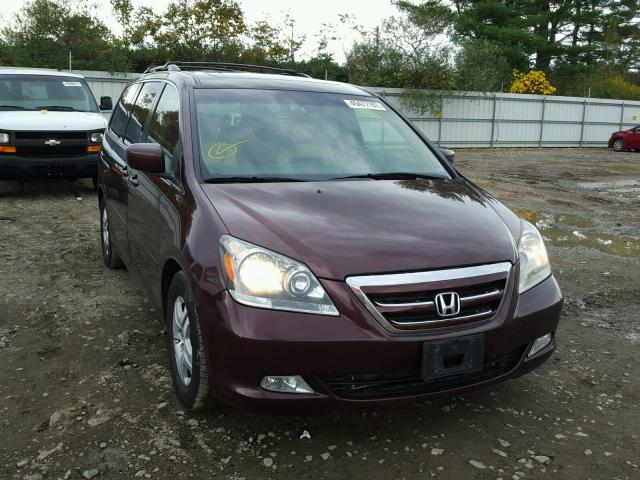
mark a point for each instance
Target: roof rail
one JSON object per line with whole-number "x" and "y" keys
{"x": 172, "y": 66}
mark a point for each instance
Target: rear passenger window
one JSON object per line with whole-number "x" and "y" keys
{"x": 165, "y": 127}
{"x": 140, "y": 111}
{"x": 120, "y": 114}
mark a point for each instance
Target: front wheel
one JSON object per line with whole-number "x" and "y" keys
{"x": 186, "y": 346}
{"x": 110, "y": 257}
{"x": 618, "y": 145}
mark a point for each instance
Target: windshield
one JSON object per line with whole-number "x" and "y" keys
{"x": 45, "y": 92}
{"x": 288, "y": 135}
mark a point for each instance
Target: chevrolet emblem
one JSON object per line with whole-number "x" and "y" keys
{"x": 53, "y": 142}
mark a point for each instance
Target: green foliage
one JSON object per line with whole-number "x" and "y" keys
{"x": 480, "y": 67}
{"x": 614, "y": 85}
{"x": 572, "y": 41}
{"x": 430, "y": 46}
{"x": 189, "y": 31}
{"x": 45, "y": 31}
{"x": 400, "y": 55}
{"x": 433, "y": 17}
{"x": 268, "y": 44}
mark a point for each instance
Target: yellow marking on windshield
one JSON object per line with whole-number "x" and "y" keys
{"x": 220, "y": 151}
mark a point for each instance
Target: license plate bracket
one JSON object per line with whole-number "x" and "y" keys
{"x": 452, "y": 356}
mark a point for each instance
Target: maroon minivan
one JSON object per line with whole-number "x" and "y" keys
{"x": 310, "y": 248}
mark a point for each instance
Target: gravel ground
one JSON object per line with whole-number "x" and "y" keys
{"x": 85, "y": 391}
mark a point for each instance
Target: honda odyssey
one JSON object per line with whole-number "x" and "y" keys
{"x": 310, "y": 248}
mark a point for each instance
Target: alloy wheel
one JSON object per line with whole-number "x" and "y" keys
{"x": 182, "y": 341}
{"x": 105, "y": 231}
{"x": 618, "y": 145}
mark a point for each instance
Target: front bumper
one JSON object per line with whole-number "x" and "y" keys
{"x": 245, "y": 344}
{"x": 18, "y": 167}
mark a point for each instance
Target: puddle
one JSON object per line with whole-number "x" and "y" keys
{"x": 620, "y": 185}
{"x": 552, "y": 218}
{"x": 563, "y": 230}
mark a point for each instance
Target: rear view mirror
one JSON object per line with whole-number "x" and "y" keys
{"x": 449, "y": 154}
{"x": 146, "y": 157}
{"x": 106, "y": 103}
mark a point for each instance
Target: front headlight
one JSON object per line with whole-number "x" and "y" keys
{"x": 4, "y": 138}
{"x": 96, "y": 137}
{"x": 261, "y": 278}
{"x": 534, "y": 262}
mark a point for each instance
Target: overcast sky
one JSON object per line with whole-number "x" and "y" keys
{"x": 309, "y": 15}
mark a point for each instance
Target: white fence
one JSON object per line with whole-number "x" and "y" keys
{"x": 515, "y": 120}
{"x": 482, "y": 119}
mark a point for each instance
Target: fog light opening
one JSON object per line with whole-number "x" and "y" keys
{"x": 539, "y": 344}
{"x": 285, "y": 384}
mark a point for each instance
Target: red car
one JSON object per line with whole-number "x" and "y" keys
{"x": 625, "y": 140}
{"x": 310, "y": 249}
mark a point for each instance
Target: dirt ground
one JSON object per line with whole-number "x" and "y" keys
{"x": 85, "y": 391}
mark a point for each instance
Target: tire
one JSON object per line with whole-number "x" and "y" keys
{"x": 110, "y": 257}
{"x": 186, "y": 352}
{"x": 618, "y": 145}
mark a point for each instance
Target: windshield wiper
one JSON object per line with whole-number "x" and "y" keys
{"x": 395, "y": 176}
{"x": 56, "y": 108}
{"x": 11, "y": 107}
{"x": 251, "y": 179}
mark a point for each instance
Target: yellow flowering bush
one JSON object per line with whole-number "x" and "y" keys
{"x": 533, "y": 82}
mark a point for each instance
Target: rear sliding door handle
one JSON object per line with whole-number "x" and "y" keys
{"x": 133, "y": 178}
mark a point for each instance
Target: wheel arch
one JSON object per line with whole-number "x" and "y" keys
{"x": 169, "y": 270}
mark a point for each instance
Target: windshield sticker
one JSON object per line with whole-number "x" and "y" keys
{"x": 72, "y": 84}
{"x": 365, "y": 105}
{"x": 220, "y": 151}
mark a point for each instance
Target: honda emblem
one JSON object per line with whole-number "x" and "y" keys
{"x": 447, "y": 304}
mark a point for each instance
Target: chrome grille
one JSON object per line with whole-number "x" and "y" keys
{"x": 401, "y": 302}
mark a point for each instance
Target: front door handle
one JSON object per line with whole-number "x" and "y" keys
{"x": 133, "y": 178}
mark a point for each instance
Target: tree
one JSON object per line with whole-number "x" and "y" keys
{"x": 44, "y": 32}
{"x": 268, "y": 44}
{"x": 613, "y": 85}
{"x": 400, "y": 55}
{"x": 203, "y": 30}
{"x": 539, "y": 33}
{"x": 480, "y": 67}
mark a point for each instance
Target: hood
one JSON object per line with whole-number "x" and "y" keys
{"x": 58, "y": 121}
{"x": 344, "y": 228}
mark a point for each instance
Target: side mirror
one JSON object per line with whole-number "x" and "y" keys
{"x": 106, "y": 103}
{"x": 449, "y": 154}
{"x": 146, "y": 157}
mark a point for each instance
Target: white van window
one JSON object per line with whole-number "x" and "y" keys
{"x": 45, "y": 92}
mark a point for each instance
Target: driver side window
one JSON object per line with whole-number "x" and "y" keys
{"x": 164, "y": 128}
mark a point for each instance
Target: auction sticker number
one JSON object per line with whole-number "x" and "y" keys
{"x": 365, "y": 105}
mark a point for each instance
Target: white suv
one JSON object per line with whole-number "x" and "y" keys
{"x": 50, "y": 125}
